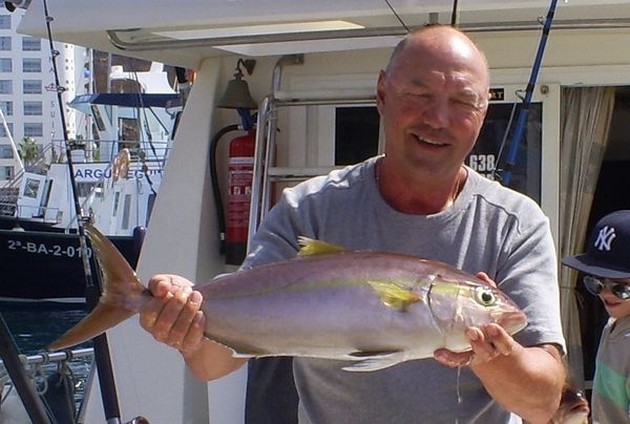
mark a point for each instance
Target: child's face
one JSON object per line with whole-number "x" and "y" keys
{"x": 615, "y": 294}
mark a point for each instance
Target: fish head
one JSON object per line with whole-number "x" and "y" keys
{"x": 457, "y": 305}
{"x": 574, "y": 408}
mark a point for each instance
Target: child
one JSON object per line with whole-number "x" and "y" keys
{"x": 606, "y": 264}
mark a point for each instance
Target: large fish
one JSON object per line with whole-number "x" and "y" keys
{"x": 374, "y": 309}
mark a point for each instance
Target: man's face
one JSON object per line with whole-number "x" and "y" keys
{"x": 433, "y": 101}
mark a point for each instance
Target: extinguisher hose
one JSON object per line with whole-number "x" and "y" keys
{"x": 216, "y": 189}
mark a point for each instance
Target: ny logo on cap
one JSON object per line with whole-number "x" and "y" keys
{"x": 605, "y": 237}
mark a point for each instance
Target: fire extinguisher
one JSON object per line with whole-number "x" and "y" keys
{"x": 233, "y": 229}
{"x": 240, "y": 175}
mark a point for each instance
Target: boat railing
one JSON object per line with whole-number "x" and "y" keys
{"x": 39, "y": 366}
{"x": 45, "y": 214}
{"x": 8, "y": 201}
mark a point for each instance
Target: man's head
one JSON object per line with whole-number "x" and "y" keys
{"x": 606, "y": 262}
{"x": 433, "y": 98}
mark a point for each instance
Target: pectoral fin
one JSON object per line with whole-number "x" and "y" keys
{"x": 375, "y": 361}
{"x": 394, "y": 295}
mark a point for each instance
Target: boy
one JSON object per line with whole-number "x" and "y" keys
{"x": 606, "y": 264}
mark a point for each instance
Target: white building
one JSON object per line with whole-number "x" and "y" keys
{"x": 28, "y": 98}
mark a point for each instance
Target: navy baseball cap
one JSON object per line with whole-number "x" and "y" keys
{"x": 608, "y": 250}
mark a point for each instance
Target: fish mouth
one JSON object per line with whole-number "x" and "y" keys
{"x": 512, "y": 322}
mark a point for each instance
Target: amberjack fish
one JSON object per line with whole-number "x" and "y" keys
{"x": 374, "y": 309}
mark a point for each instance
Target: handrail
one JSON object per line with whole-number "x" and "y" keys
{"x": 59, "y": 356}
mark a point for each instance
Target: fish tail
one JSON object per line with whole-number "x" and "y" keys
{"x": 123, "y": 294}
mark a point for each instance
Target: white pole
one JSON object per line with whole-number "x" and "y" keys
{"x": 16, "y": 154}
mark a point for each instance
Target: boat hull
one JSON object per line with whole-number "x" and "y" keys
{"x": 38, "y": 265}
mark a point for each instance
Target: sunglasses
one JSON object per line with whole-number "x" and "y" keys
{"x": 595, "y": 286}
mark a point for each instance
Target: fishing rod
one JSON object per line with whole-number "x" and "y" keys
{"x": 527, "y": 100}
{"x": 102, "y": 357}
{"x": 26, "y": 390}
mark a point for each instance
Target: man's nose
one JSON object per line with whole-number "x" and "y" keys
{"x": 437, "y": 114}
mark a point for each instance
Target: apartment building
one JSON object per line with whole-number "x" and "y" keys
{"x": 28, "y": 95}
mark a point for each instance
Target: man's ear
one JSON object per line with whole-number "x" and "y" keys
{"x": 380, "y": 90}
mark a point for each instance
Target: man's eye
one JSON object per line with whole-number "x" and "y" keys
{"x": 418, "y": 96}
{"x": 466, "y": 103}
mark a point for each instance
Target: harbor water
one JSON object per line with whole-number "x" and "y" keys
{"x": 35, "y": 325}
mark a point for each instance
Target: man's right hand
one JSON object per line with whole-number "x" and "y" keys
{"x": 173, "y": 316}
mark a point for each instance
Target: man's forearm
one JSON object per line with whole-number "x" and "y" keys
{"x": 528, "y": 382}
{"x": 211, "y": 361}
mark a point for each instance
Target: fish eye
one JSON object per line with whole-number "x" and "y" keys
{"x": 485, "y": 296}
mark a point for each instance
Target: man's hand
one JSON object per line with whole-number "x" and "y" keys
{"x": 487, "y": 344}
{"x": 173, "y": 316}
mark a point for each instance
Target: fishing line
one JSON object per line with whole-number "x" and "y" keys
{"x": 397, "y": 16}
{"x": 102, "y": 358}
{"x": 75, "y": 191}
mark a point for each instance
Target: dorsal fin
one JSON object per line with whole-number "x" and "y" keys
{"x": 309, "y": 246}
{"x": 394, "y": 295}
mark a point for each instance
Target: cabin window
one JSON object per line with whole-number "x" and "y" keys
{"x": 31, "y": 188}
{"x": 116, "y": 203}
{"x": 495, "y": 149}
{"x": 356, "y": 134}
{"x": 126, "y": 212}
{"x": 85, "y": 188}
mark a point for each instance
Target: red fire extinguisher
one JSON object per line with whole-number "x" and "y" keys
{"x": 240, "y": 176}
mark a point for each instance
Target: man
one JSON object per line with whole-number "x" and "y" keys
{"x": 417, "y": 199}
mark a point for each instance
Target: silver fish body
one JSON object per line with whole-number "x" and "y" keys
{"x": 375, "y": 309}
{"x": 330, "y": 306}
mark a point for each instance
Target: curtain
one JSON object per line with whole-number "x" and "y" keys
{"x": 586, "y": 114}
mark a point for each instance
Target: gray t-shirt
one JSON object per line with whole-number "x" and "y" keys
{"x": 489, "y": 228}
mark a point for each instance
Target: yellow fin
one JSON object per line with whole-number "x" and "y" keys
{"x": 394, "y": 295}
{"x": 309, "y": 246}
